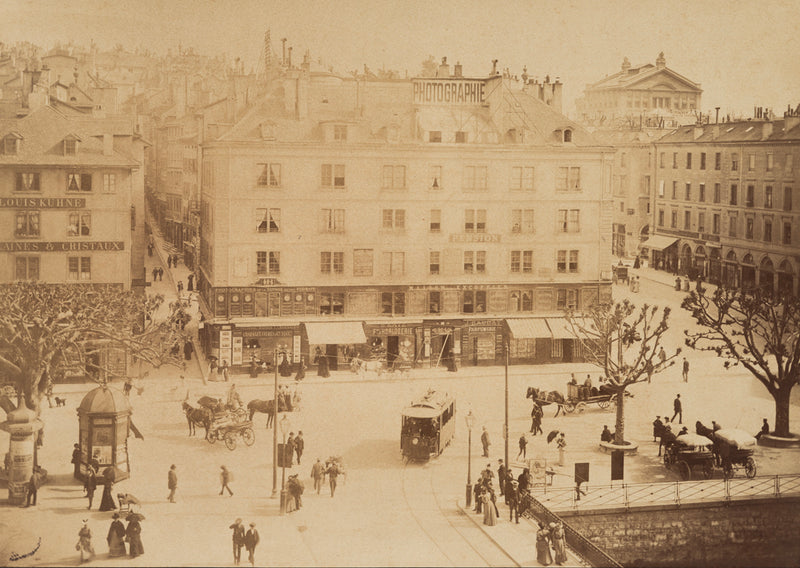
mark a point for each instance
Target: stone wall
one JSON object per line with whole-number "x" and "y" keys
{"x": 756, "y": 533}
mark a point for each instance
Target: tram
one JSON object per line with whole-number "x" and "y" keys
{"x": 428, "y": 426}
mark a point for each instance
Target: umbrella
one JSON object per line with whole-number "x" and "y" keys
{"x": 551, "y": 436}
{"x": 134, "y": 517}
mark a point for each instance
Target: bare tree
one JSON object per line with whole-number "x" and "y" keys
{"x": 757, "y": 330}
{"x": 624, "y": 342}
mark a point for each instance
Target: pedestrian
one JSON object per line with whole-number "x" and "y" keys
{"x": 764, "y": 430}
{"x": 543, "y": 556}
{"x": 134, "y": 535}
{"x": 333, "y": 473}
{"x": 501, "y": 477}
{"x": 301, "y": 370}
{"x": 169, "y": 261}
{"x": 90, "y": 485}
{"x": 666, "y": 440}
{"x": 489, "y": 517}
{"x": 477, "y": 489}
{"x": 523, "y": 447}
{"x": 512, "y": 497}
{"x": 190, "y": 283}
{"x": 180, "y": 286}
{"x": 172, "y": 483}
{"x": 323, "y": 369}
{"x": 558, "y": 539}
{"x": 116, "y": 537}
{"x": 238, "y": 540}
{"x": 251, "y": 540}
{"x": 76, "y": 460}
{"x": 107, "y": 502}
{"x": 126, "y": 388}
{"x": 561, "y": 442}
{"x": 648, "y": 368}
{"x": 685, "y": 370}
{"x": 318, "y": 474}
{"x": 606, "y": 435}
{"x": 187, "y": 350}
{"x": 48, "y": 393}
{"x": 285, "y": 369}
{"x": 175, "y": 261}
{"x": 149, "y": 249}
{"x": 155, "y": 273}
{"x": 662, "y": 355}
{"x": 85, "y": 542}
{"x": 658, "y": 427}
{"x": 536, "y": 418}
{"x": 224, "y": 368}
{"x": 290, "y": 447}
{"x": 296, "y": 488}
{"x": 33, "y": 485}
{"x": 524, "y": 481}
{"x": 160, "y": 274}
{"x": 485, "y": 442}
{"x": 299, "y": 445}
{"x": 225, "y": 477}
{"x": 676, "y": 404}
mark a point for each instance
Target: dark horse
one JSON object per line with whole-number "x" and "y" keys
{"x": 546, "y": 397}
{"x": 197, "y": 417}
{"x": 265, "y": 406}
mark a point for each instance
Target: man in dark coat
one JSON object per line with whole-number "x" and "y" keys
{"x": 251, "y": 540}
{"x": 299, "y": 445}
{"x": 485, "y": 442}
{"x": 290, "y": 447}
{"x": 536, "y": 419}
{"x": 238, "y": 540}
{"x": 76, "y": 460}
{"x": 333, "y": 473}
{"x": 90, "y": 485}
{"x": 658, "y": 427}
{"x": 667, "y": 439}
{"x": 172, "y": 483}
{"x": 33, "y": 485}
{"x": 512, "y": 498}
{"x": 187, "y": 350}
{"x": 676, "y": 404}
{"x": 501, "y": 476}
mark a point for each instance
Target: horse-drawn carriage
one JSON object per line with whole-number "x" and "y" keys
{"x": 736, "y": 449}
{"x": 578, "y": 397}
{"x": 690, "y": 451}
{"x": 230, "y": 431}
{"x": 380, "y": 365}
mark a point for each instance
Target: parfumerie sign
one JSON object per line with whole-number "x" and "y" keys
{"x": 449, "y": 91}
{"x": 67, "y": 246}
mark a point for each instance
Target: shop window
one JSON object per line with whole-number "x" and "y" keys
{"x": 434, "y": 302}
{"x": 393, "y": 303}
{"x": 473, "y": 302}
{"x": 331, "y": 303}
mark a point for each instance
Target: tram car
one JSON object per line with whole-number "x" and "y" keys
{"x": 428, "y": 426}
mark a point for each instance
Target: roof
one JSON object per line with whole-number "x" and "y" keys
{"x": 628, "y": 79}
{"x": 104, "y": 400}
{"x": 742, "y": 131}
{"x": 431, "y": 404}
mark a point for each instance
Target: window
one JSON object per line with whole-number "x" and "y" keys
{"x": 674, "y": 190}
{"x": 688, "y": 160}
{"x": 716, "y": 223}
{"x": 787, "y": 232}
{"x": 474, "y": 302}
{"x": 340, "y": 132}
{"x": 436, "y": 177}
{"x": 702, "y": 160}
{"x": 717, "y": 193}
{"x": 394, "y": 177}
{"x": 474, "y": 261}
{"x": 565, "y": 300}
{"x": 522, "y": 221}
{"x": 332, "y": 175}
{"x": 79, "y": 182}
{"x": 435, "y": 136}
{"x": 673, "y": 222}
{"x": 521, "y": 301}
{"x": 475, "y": 178}
{"x": 461, "y": 137}
{"x": 394, "y": 263}
{"x": 789, "y": 163}
{"x": 660, "y": 217}
{"x": 79, "y": 268}
{"x": 331, "y": 303}
{"x": 394, "y": 219}
{"x": 661, "y": 188}
{"x": 332, "y": 220}
{"x": 732, "y": 226}
{"x": 475, "y": 220}
{"x": 701, "y": 222}
{"x": 331, "y": 262}
{"x": 568, "y": 179}
{"x": 768, "y": 197}
{"x": 734, "y": 191}
{"x": 674, "y": 160}
{"x": 751, "y": 162}
{"x": 750, "y": 196}
{"x": 787, "y": 198}
{"x": 436, "y": 220}
{"x": 567, "y": 135}
{"x": 569, "y": 220}
{"x": 767, "y": 230}
{"x": 10, "y": 145}
{"x": 269, "y": 220}
{"x": 702, "y": 195}
{"x": 27, "y": 181}
{"x": 26, "y": 268}
{"x": 623, "y": 160}
{"x": 27, "y": 224}
{"x": 718, "y": 161}
{"x": 434, "y": 302}
{"x": 268, "y": 262}
{"x": 522, "y": 261}
{"x": 362, "y": 262}
{"x": 734, "y": 162}
{"x": 770, "y": 161}
{"x": 393, "y": 303}
{"x": 567, "y": 261}
{"x": 688, "y": 195}
{"x": 70, "y": 146}
{"x": 661, "y": 160}
{"x": 270, "y": 176}
{"x": 748, "y": 228}
{"x": 80, "y": 224}
{"x": 522, "y": 178}
{"x": 109, "y": 183}
{"x": 434, "y": 260}
{"x": 687, "y": 220}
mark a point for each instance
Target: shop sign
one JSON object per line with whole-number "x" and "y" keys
{"x": 474, "y": 238}
{"x": 65, "y": 246}
{"x": 44, "y": 202}
{"x": 391, "y": 330}
{"x": 449, "y": 91}
{"x": 268, "y": 333}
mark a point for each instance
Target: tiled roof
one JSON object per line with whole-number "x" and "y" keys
{"x": 627, "y": 79}
{"x": 744, "y": 131}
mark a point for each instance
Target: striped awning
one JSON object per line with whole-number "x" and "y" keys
{"x": 528, "y": 328}
{"x": 560, "y": 328}
{"x": 335, "y": 332}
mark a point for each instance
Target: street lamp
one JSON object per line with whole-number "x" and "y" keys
{"x": 275, "y": 430}
{"x": 505, "y": 426}
{"x": 470, "y": 419}
{"x": 284, "y": 428}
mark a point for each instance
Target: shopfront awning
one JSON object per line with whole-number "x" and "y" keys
{"x": 659, "y": 242}
{"x": 335, "y": 332}
{"x": 528, "y": 328}
{"x": 560, "y": 328}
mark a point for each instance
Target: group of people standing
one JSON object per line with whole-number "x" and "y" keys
{"x": 248, "y": 540}
{"x": 548, "y": 536}
{"x": 512, "y": 490}
{"x": 118, "y": 535}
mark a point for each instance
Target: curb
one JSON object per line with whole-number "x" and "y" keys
{"x": 468, "y": 514}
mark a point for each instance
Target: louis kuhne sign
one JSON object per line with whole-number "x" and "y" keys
{"x": 449, "y": 91}
{"x": 65, "y": 246}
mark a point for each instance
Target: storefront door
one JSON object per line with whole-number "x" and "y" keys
{"x": 332, "y": 352}
{"x": 392, "y": 349}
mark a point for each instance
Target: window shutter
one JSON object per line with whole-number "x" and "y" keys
{"x": 86, "y": 182}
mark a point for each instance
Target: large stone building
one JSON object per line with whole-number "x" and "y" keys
{"x": 415, "y": 219}
{"x": 724, "y": 204}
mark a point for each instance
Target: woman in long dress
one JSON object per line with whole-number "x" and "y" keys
{"x": 543, "y": 555}
{"x": 489, "y": 516}
{"x": 301, "y": 370}
{"x": 85, "y": 541}
{"x": 107, "y": 503}
{"x": 116, "y": 537}
{"x": 284, "y": 368}
{"x": 559, "y": 542}
{"x": 134, "y": 534}
{"x": 322, "y": 366}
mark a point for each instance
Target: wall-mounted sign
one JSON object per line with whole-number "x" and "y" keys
{"x": 67, "y": 246}
{"x": 474, "y": 238}
{"x": 44, "y": 202}
{"x": 449, "y": 91}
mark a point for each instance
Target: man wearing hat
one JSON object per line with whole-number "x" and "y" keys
{"x": 238, "y": 540}
{"x": 501, "y": 476}
{"x": 658, "y": 427}
{"x": 251, "y": 540}
{"x": 512, "y": 497}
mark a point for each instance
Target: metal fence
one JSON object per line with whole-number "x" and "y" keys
{"x": 644, "y": 494}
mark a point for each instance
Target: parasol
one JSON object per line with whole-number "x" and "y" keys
{"x": 111, "y": 473}
{"x": 552, "y": 435}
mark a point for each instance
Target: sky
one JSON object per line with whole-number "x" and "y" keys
{"x": 743, "y": 53}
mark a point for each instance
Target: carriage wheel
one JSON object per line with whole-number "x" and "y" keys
{"x": 211, "y": 436}
{"x": 230, "y": 441}
{"x": 569, "y": 407}
{"x": 684, "y": 470}
{"x": 750, "y": 468}
{"x": 668, "y": 458}
{"x": 580, "y": 407}
{"x": 248, "y": 436}
{"x": 708, "y": 469}
{"x": 605, "y": 403}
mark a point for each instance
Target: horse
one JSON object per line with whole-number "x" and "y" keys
{"x": 546, "y": 397}
{"x": 197, "y": 416}
{"x": 265, "y": 406}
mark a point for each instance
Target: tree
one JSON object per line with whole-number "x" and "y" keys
{"x": 429, "y": 67}
{"x": 625, "y": 343}
{"x": 50, "y": 330}
{"x": 760, "y": 331}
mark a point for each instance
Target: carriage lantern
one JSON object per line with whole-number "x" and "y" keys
{"x": 104, "y": 418}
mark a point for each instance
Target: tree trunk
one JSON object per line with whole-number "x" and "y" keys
{"x": 782, "y": 399}
{"x": 619, "y": 434}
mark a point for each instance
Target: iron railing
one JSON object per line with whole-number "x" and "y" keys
{"x": 675, "y": 493}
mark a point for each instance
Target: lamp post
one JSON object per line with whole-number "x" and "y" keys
{"x": 470, "y": 419}
{"x": 284, "y": 428}
{"x": 275, "y": 430}
{"x": 505, "y": 425}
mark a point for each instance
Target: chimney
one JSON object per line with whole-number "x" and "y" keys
{"x": 283, "y": 56}
{"x": 766, "y": 129}
{"x": 626, "y": 65}
{"x": 444, "y": 68}
{"x": 457, "y": 70}
{"x": 108, "y": 144}
{"x": 289, "y": 62}
{"x": 494, "y": 67}
{"x": 791, "y": 119}
{"x": 716, "y": 120}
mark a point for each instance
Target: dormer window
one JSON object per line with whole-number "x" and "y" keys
{"x": 567, "y": 135}
{"x": 340, "y": 132}
{"x": 461, "y": 137}
{"x": 70, "y": 146}
{"x": 10, "y": 145}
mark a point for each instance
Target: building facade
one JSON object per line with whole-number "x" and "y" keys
{"x": 725, "y": 205}
{"x": 417, "y": 220}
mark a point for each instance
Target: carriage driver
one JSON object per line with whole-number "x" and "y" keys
{"x": 234, "y": 400}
